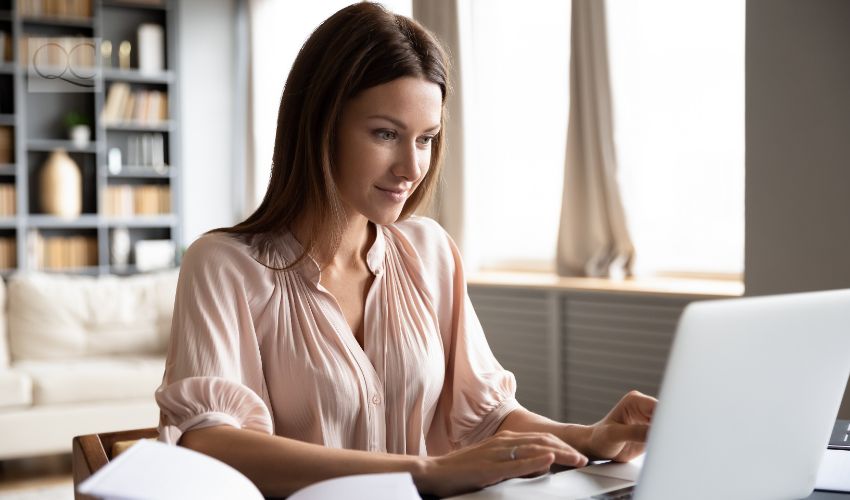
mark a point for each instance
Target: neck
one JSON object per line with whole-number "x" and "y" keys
{"x": 355, "y": 241}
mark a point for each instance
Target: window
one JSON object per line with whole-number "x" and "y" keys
{"x": 278, "y": 30}
{"x": 677, "y": 74}
{"x": 516, "y": 92}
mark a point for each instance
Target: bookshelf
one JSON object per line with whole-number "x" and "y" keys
{"x": 134, "y": 191}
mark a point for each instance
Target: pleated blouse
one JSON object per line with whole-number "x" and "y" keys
{"x": 271, "y": 351}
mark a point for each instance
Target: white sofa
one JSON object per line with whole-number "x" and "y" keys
{"x": 79, "y": 355}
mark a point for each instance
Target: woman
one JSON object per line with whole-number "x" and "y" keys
{"x": 330, "y": 333}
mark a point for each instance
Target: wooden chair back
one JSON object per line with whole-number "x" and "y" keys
{"x": 92, "y": 451}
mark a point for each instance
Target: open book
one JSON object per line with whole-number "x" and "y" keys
{"x": 152, "y": 470}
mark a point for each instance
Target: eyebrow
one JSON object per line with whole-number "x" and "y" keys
{"x": 400, "y": 124}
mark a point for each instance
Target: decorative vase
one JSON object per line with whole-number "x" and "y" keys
{"x": 120, "y": 247}
{"x": 61, "y": 186}
{"x": 80, "y": 135}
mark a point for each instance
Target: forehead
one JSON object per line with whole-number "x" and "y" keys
{"x": 415, "y": 101}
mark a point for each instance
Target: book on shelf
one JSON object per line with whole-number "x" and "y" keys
{"x": 8, "y": 253}
{"x": 7, "y": 145}
{"x": 61, "y": 252}
{"x": 75, "y": 9}
{"x": 127, "y": 201}
{"x": 150, "y": 469}
{"x": 127, "y": 106}
{"x": 147, "y": 150}
{"x": 7, "y": 200}
{"x": 53, "y": 51}
{"x": 5, "y": 46}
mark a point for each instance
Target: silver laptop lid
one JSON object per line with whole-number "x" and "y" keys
{"x": 749, "y": 396}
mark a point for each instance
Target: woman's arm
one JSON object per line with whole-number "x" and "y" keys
{"x": 280, "y": 466}
{"x": 619, "y": 436}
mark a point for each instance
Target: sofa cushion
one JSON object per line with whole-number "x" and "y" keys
{"x": 93, "y": 379}
{"x": 15, "y": 389}
{"x": 62, "y": 317}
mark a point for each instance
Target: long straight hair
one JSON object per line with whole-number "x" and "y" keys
{"x": 359, "y": 47}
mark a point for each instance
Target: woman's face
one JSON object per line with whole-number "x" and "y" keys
{"x": 383, "y": 148}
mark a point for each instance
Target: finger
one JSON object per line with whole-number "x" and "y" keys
{"x": 542, "y": 438}
{"x": 522, "y": 466}
{"x": 569, "y": 457}
{"x": 628, "y": 432}
{"x": 630, "y": 452}
{"x": 645, "y": 405}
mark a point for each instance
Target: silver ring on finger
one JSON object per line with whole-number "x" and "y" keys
{"x": 513, "y": 453}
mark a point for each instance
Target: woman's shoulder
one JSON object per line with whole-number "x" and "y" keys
{"x": 426, "y": 238}
{"x": 422, "y": 232}
{"x": 217, "y": 243}
{"x": 218, "y": 250}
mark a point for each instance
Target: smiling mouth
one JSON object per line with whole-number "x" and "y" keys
{"x": 397, "y": 196}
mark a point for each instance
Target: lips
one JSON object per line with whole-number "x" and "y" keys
{"x": 394, "y": 194}
{"x": 397, "y": 191}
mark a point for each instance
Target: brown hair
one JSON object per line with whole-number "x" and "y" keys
{"x": 361, "y": 46}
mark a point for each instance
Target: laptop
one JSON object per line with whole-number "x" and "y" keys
{"x": 746, "y": 407}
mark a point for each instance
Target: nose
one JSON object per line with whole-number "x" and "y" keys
{"x": 408, "y": 160}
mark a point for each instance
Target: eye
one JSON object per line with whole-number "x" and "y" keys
{"x": 426, "y": 140}
{"x": 386, "y": 135}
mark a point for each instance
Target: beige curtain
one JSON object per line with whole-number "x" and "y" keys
{"x": 441, "y": 18}
{"x": 593, "y": 239}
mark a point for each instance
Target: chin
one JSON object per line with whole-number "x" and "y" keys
{"x": 385, "y": 218}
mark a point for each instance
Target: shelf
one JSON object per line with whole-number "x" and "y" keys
{"x": 53, "y": 144}
{"x": 7, "y": 169}
{"x": 139, "y": 221}
{"x": 135, "y": 76}
{"x": 88, "y": 271}
{"x": 135, "y": 5}
{"x": 140, "y": 173}
{"x": 7, "y": 222}
{"x": 7, "y": 68}
{"x": 86, "y": 221}
{"x": 166, "y": 126}
{"x": 71, "y": 22}
{"x": 7, "y": 119}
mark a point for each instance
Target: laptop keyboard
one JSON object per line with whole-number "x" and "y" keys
{"x": 621, "y": 494}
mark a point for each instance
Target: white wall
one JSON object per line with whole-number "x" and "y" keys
{"x": 206, "y": 44}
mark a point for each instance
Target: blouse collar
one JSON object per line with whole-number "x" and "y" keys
{"x": 309, "y": 268}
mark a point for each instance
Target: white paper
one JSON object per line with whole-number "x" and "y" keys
{"x": 153, "y": 470}
{"x": 388, "y": 486}
{"x": 834, "y": 472}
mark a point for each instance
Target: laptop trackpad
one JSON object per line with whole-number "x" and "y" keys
{"x": 567, "y": 485}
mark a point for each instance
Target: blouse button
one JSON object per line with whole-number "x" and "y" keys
{"x": 376, "y": 399}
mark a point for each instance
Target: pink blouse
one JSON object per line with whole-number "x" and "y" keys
{"x": 271, "y": 351}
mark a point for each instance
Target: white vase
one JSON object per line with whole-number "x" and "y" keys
{"x": 120, "y": 247}
{"x": 80, "y": 135}
{"x": 61, "y": 186}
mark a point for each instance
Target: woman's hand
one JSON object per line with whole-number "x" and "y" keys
{"x": 502, "y": 456}
{"x": 621, "y": 435}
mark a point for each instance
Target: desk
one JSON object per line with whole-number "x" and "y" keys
{"x": 576, "y": 484}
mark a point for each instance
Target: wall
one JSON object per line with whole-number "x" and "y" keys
{"x": 798, "y": 147}
{"x": 207, "y": 84}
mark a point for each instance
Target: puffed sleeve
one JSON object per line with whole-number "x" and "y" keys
{"x": 213, "y": 374}
{"x": 478, "y": 393}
